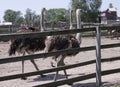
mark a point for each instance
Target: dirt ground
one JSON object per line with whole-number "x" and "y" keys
{"x": 15, "y": 68}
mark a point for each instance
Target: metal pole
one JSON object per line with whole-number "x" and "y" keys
{"x": 98, "y": 57}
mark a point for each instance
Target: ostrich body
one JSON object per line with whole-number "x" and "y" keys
{"x": 61, "y": 42}
{"x": 27, "y": 45}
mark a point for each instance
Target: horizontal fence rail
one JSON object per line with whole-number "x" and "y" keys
{"x": 76, "y": 79}
{"x": 44, "y": 55}
{"x": 7, "y": 37}
{"x": 3, "y": 78}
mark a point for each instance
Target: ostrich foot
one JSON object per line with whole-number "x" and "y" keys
{"x": 70, "y": 83}
{"x": 43, "y": 75}
{"x": 23, "y": 78}
{"x": 52, "y": 64}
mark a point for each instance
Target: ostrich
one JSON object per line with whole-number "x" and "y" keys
{"x": 61, "y": 42}
{"x": 71, "y": 41}
{"x": 27, "y": 45}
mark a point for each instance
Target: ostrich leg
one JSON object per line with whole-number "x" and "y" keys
{"x": 24, "y": 78}
{"x": 35, "y": 65}
{"x": 55, "y": 77}
{"x": 60, "y": 62}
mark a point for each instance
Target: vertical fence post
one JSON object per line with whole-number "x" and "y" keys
{"x": 98, "y": 57}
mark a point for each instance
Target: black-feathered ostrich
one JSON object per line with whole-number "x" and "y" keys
{"x": 27, "y": 45}
{"x": 61, "y": 42}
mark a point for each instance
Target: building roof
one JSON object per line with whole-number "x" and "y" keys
{"x": 112, "y": 9}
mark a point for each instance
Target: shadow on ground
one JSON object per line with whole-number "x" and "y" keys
{"x": 104, "y": 84}
{"x": 49, "y": 77}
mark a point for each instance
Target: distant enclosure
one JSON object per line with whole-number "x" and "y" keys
{"x": 98, "y": 73}
{"x": 4, "y": 29}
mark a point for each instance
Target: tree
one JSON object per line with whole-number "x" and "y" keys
{"x": 19, "y": 19}
{"x": 90, "y": 9}
{"x": 56, "y": 15}
{"x": 94, "y": 4}
{"x": 13, "y": 16}
{"x": 110, "y": 5}
{"x": 36, "y": 20}
{"x": 16, "y": 17}
{"x": 82, "y": 4}
{"x": 29, "y": 16}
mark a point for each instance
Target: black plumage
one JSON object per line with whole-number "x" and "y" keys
{"x": 14, "y": 46}
{"x": 27, "y": 45}
{"x": 59, "y": 43}
{"x": 62, "y": 42}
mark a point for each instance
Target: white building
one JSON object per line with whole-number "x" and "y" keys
{"x": 109, "y": 16}
{"x": 5, "y": 23}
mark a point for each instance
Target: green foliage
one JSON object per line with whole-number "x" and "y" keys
{"x": 110, "y": 5}
{"x": 13, "y": 16}
{"x": 29, "y": 16}
{"x": 89, "y": 16}
{"x": 90, "y": 12}
{"x": 90, "y": 9}
{"x": 94, "y": 5}
{"x": 17, "y": 19}
{"x": 82, "y": 4}
{"x": 56, "y": 15}
{"x": 36, "y": 20}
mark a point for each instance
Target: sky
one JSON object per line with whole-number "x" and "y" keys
{"x": 36, "y": 5}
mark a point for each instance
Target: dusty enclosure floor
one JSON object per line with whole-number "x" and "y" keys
{"x": 15, "y": 68}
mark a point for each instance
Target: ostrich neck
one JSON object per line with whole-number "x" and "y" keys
{"x": 78, "y": 21}
{"x": 78, "y": 17}
{"x": 42, "y": 21}
{"x": 78, "y": 37}
{"x": 71, "y": 26}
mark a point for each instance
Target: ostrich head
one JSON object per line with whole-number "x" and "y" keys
{"x": 42, "y": 17}
{"x": 78, "y": 35}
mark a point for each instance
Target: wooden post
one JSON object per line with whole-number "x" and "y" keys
{"x": 98, "y": 57}
{"x": 10, "y": 28}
